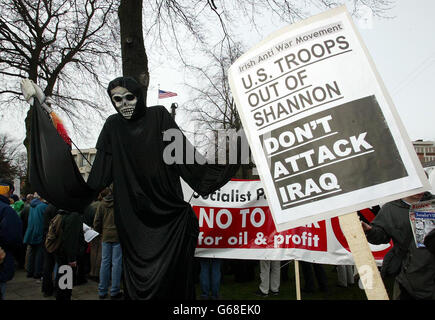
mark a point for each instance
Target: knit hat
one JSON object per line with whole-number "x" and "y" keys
{"x": 6, "y": 186}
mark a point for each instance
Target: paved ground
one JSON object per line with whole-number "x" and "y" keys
{"x": 23, "y": 288}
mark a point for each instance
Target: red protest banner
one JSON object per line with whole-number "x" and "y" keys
{"x": 235, "y": 222}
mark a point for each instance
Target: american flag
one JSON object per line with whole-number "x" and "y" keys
{"x": 166, "y": 94}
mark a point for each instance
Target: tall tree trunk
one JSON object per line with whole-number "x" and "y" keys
{"x": 134, "y": 57}
{"x": 33, "y": 73}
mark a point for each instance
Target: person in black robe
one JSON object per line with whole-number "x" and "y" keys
{"x": 157, "y": 229}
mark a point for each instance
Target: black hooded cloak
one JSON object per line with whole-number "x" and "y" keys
{"x": 158, "y": 230}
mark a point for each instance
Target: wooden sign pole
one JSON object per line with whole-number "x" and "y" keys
{"x": 363, "y": 257}
{"x": 298, "y": 282}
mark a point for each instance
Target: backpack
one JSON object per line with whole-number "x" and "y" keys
{"x": 54, "y": 234}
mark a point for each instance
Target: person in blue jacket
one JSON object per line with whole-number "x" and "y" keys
{"x": 11, "y": 237}
{"x": 34, "y": 237}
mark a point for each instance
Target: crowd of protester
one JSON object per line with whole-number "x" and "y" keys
{"x": 25, "y": 225}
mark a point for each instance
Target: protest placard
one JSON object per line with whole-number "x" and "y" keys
{"x": 322, "y": 128}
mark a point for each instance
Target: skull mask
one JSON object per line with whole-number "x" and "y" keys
{"x": 124, "y": 101}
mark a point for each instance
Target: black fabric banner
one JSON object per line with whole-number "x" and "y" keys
{"x": 52, "y": 170}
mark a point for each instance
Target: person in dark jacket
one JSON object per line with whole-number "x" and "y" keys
{"x": 69, "y": 249}
{"x": 412, "y": 267}
{"x": 23, "y": 253}
{"x": 34, "y": 237}
{"x": 83, "y": 260}
{"x": 25, "y": 212}
{"x": 49, "y": 261}
{"x": 111, "y": 259}
{"x": 95, "y": 244}
{"x": 11, "y": 236}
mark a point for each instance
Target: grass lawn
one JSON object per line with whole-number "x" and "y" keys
{"x": 233, "y": 290}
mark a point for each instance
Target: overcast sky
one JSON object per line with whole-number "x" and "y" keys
{"x": 403, "y": 49}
